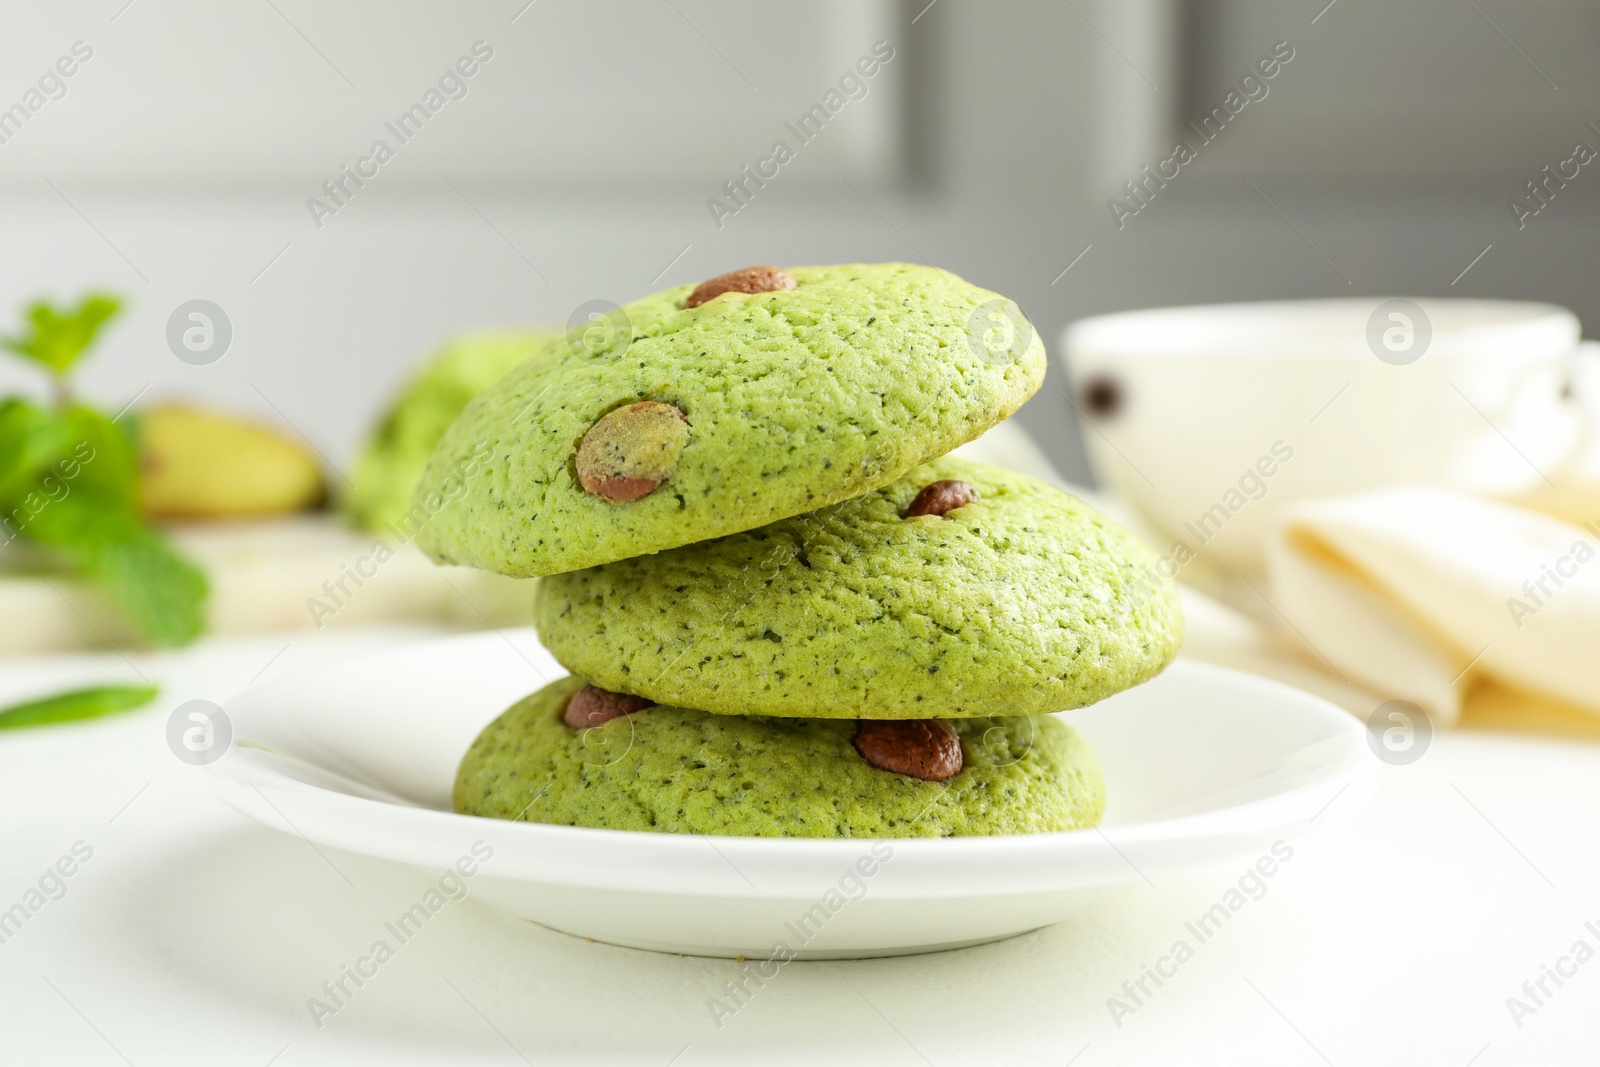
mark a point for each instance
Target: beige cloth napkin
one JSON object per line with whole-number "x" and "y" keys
{"x": 1454, "y": 602}
{"x": 1413, "y": 594}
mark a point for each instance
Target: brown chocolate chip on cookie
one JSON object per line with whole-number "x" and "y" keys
{"x": 629, "y": 452}
{"x": 749, "y": 280}
{"x": 920, "y": 748}
{"x": 941, "y": 498}
{"x": 591, "y": 706}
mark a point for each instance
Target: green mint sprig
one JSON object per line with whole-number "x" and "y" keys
{"x": 69, "y": 484}
{"x": 56, "y": 338}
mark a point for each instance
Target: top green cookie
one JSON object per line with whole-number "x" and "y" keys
{"x": 721, "y": 417}
{"x": 1023, "y": 600}
{"x": 417, "y": 418}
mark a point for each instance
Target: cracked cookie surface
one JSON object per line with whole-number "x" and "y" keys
{"x": 1023, "y": 600}
{"x": 794, "y": 399}
{"x": 674, "y": 770}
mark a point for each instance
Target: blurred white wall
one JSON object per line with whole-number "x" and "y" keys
{"x": 577, "y": 161}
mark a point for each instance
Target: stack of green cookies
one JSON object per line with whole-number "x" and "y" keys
{"x": 785, "y": 613}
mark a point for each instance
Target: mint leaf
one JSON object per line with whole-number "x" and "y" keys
{"x": 31, "y": 439}
{"x": 102, "y": 459}
{"x": 158, "y": 591}
{"x": 69, "y": 482}
{"x": 56, "y": 338}
{"x": 77, "y": 704}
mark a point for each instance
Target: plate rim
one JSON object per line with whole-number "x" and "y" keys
{"x": 413, "y": 834}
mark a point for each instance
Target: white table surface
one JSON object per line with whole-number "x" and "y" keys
{"x": 1406, "y": 918}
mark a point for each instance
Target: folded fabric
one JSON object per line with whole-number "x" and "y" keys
{"x": 1481, "y": 612}
{"x": 1444, "y": 599}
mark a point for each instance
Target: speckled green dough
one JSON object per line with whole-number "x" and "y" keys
{"x": 679, "y": 771}
{"x": 399, "y": 448}
{"x": 795, "y": 400}
{"x": 1022, "y": 602}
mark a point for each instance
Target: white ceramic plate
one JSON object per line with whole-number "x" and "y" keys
{"x": 1201, "y": 764}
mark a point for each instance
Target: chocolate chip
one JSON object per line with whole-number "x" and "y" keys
{"x": 919, "y": 748}
{"x": 941, "y": 498}
{"x": 749, "y": 280}
{"x": 629, "y": 452}
{"x": 1102, "y": 396}
{"x": 591, "y": 706}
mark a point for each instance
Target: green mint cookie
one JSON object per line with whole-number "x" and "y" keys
{"x": 959, "y": 590}
{"x": 703, "y": 411}
{"x": 673, "y": 770}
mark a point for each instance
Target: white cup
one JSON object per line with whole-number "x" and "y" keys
{"x": 1209, "y": 420}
